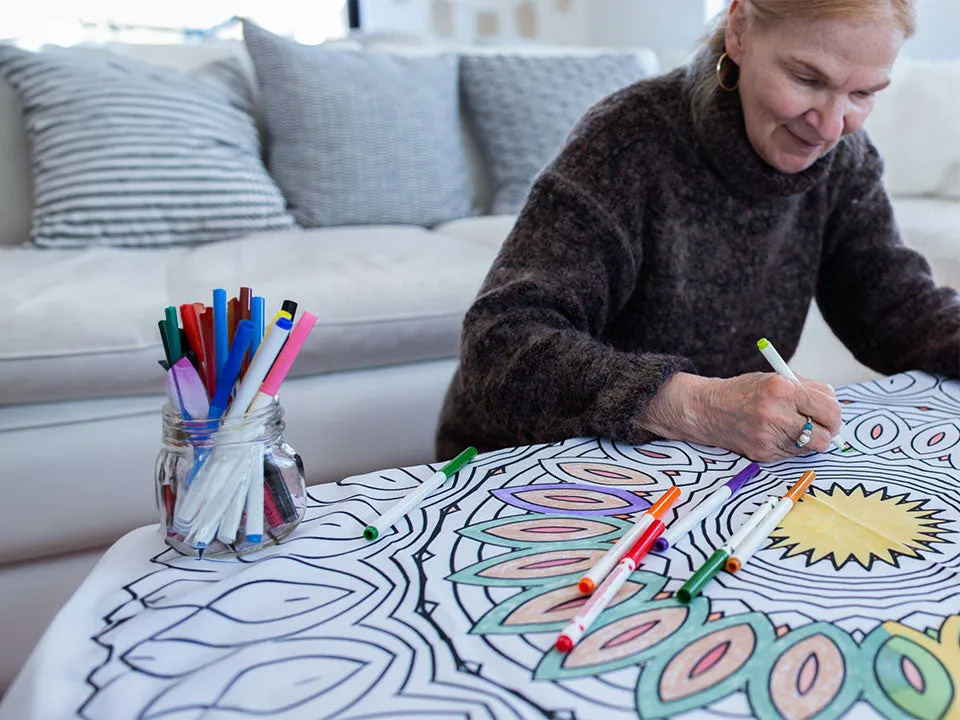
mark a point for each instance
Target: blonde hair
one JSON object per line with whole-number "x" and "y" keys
{"x": 769, "y": 12}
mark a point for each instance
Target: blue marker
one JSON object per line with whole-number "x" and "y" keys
{"x": 257, "y": 317}
{"x": 221, "y": 337}
{"x": 231, "y": 369}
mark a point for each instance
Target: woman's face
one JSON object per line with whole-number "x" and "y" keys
{"x": 804, "y": 84}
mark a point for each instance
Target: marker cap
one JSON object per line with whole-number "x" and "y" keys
{"x": 564, "y": 644}
{"x": 370, "y": 532}
{"x": 801, "y": 485}
{"x": 701, "y": 577}
{"x": 646, "y": 541}
{"x": 454, "y": 466}
{"x": 738, "y": 480}
{"x": 664, "y": 502}
{"x": 586, "y": 585}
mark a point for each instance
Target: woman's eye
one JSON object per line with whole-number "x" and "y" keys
{"x": 806, "y": 80}
{"x": 864, "y": 94}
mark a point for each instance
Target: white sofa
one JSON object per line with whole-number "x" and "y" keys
{"x": 80, "y": 389}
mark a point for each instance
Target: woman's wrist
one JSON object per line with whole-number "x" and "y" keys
{"x": 680, "y": 410}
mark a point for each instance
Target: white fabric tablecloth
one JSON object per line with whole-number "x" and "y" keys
{"x": 850, "y": 610}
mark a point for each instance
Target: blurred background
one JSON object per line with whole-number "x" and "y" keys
{"x": 669, "y": 27}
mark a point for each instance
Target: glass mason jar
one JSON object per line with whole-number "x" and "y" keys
{"x": 226, "y": 489}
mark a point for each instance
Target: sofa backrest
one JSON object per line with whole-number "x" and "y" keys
{"x": 916, "y": 128}
{"x": 16, "y": 182}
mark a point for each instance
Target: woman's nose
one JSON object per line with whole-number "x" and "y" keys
{"x": 828, "y": 119}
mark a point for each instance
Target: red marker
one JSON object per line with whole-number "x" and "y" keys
{"x": 608, "y": 588}
{"x": 612, "y": 556}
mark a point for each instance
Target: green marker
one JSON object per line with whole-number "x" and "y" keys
{"x": 398, "y": 510}
{"x": 173, "y": 334}
{"x": 692, "y": 587}
{"x": 162, "y": 324}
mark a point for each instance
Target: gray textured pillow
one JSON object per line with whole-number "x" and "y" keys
{"x": 358, "y": 138}
{"x": 130, "y": 154}
{"x": 521, "y": 109}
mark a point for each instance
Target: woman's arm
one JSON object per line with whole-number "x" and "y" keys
{"x": 533, "y": 356}
{"x": 534, "y": 361}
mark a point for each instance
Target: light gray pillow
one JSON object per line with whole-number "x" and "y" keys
{"x": 127, "y": 154}
{"x": 358, "y": 137}
{"x": 522, "y": 107}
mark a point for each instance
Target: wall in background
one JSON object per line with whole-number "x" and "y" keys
{"x": 938, "y": 31}
{"x": 670, "y": 27}
{"x": 559, "y": 22}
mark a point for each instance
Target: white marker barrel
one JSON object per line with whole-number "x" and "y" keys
{"x": 682, "y": 526}
{"x": 612, "y": 556}
{"x": 758, "y": 536}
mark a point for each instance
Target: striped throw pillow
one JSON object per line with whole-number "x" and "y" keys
{"x": 127, "y": 154}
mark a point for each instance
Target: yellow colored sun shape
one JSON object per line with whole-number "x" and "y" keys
{"x": 857, "y": 526}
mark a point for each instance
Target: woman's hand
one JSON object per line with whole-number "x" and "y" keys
{"x": 757, "y": 415}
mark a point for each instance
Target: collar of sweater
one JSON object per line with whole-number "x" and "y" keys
{"x": 723, "y": 139}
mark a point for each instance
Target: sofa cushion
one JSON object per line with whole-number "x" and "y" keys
{"x": 128, "y": 154}
{"x": 384, "y": 295}
{"x": 522, "y": 107}
{"x": 361, "y": 137}
{"x": 487, "y": 230}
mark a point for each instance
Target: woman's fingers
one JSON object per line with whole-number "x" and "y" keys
{"x": 817, "y": 401}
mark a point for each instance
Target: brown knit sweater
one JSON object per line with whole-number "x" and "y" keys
{"x": 647, "y": 248}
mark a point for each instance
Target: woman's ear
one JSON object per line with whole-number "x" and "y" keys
{"x": 736, "y": 27}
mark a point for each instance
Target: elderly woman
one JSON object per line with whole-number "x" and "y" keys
{"x": 689, "y": 215}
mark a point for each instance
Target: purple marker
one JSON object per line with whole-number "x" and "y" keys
{"x": 685, "y": 524}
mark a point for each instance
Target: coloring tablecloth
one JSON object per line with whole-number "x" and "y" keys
{"x": 852, "y": 609}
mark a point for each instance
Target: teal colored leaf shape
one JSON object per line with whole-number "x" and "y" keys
{"x": 902, "y": 678}
{"x": 812, "y": 674}
{"x": 534, "y": 566}
{"x": 541, "y": 531}
{"x": 548, "y": 608}
{"x": 692, "y": 670}
{"x": 630, "y": 634}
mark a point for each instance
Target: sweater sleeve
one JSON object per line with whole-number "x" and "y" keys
{"x": 877, "y": 294}
{"x": 533, "y": 357}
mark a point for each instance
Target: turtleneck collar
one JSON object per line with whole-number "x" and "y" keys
{"x": 722, "y": 138}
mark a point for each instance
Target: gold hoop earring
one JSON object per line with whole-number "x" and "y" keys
{"x": 721, "y": 73}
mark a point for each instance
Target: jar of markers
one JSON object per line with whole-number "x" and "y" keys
{"x": 228, "y": 488}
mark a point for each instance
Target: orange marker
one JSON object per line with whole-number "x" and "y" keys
{"x": 599, "y": 571}
{"x": 769, "y": 524}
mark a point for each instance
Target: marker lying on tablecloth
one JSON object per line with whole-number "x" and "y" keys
{"x": 682, "y": 526}
{"x": 612, "y": 556}
{"x": 401, "y": 508}
{"x": 715, "y": 563}
{"x": 780, "y": 365}
{"x": 609, "y": 588}
{"x": 763, "y": 530}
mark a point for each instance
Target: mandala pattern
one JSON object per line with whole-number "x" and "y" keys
{"x": 851, "y": 609}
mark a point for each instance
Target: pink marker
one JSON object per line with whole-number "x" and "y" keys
{"x": 283, "y": 363}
